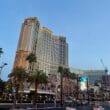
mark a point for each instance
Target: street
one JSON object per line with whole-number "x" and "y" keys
{"x": 6, "y": 106}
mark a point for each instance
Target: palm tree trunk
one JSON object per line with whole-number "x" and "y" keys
{"x": 14, "y": 100}
{"x": 35, "y": 95}
{"x": 16, "y": 87}
{"x": 15, "y": 97}
{"x": 22, "y": 92}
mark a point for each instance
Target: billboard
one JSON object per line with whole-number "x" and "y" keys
{"x": 83, "y": 83}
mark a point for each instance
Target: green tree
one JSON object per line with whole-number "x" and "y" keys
{"x": 64, "y": 72}
{"x": 38, "y": 77}
{"x": 2, "y": 86}
{"x": 31, "y": 58}
{"x": 61, "y": 70}
{"x": 8, "y": 87}
{"x": 72, "y": 76}
{"x": 18, "y": 76}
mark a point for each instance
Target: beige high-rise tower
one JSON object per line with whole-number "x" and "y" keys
{"x": 50, "y": 50}
{"x": 27, "y": 41}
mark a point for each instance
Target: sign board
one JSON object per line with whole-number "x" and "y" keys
{"x": 83, "y": 83}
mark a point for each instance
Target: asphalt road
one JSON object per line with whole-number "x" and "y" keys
{"x": 90, "y": 107}
{"x": 5, "y": 106}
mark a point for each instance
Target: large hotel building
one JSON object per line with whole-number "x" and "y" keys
{"x": 51, "y": 50}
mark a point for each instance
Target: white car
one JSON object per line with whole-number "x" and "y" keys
{"x": 84, "y": 102}
{"x": 98, "y": 108}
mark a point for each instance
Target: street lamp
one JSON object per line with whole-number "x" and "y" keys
{"x": 1, "y": 67}
{"x": 1, "y": 51}
{"x": 77, "y": 87}
{"x": 61, "y": 90}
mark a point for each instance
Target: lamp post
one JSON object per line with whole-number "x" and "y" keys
{"x": 61, "y": 91}
{"x": 1, "y": 52}
{"x": 77, "y": 89}
{"x": 88, "y": 89}
{"x": 1, "y": 67}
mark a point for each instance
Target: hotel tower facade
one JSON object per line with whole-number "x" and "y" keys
{"x": 51, "y": 50}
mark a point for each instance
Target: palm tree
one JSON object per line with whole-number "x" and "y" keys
{"x": 31, "y": 58}
{"x": 66, "y": 72}
{"x": 66, "y": 75}
{"x": 2, "y": 86}
{"x": 8, "y": 87}
{"x": 39, "y": 77}
{"x": 60, "y": 70}
{"x": 18, "y": 75}
{"x": 72, "y": 76}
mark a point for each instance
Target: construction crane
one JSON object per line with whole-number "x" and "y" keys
{"x": 105, "y": 68}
